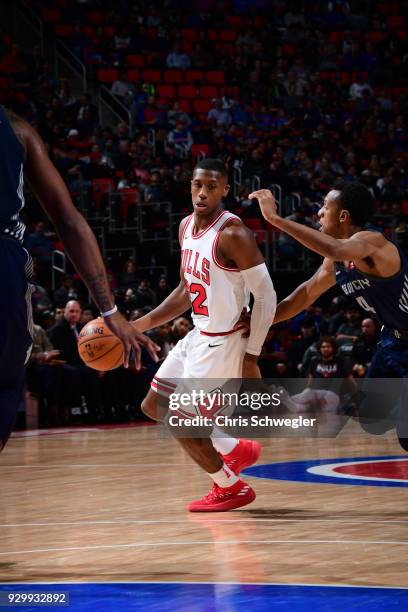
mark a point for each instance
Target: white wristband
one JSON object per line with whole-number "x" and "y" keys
{"x": 108, "y": 313}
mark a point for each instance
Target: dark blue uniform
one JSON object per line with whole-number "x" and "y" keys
{"x": 387, "y": 299}
{"x": 15, "y": 273}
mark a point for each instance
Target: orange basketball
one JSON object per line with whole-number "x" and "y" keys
{"x": 98, "y": 347}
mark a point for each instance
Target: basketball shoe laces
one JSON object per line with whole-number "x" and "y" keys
{"x": 218, "y": 493}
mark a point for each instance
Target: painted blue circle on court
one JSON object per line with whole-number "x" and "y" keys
{"x": 308, "y": 471}
{"x": 196, "y": 597}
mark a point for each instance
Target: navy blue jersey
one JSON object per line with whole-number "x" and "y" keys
{"x": 387, "y": 298}
{"x": 12, "y": 156}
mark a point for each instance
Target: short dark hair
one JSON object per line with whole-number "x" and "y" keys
{"x": 357, "y": 199}
{"x": 328, "y": 340}
{"x": 217, "y": 165}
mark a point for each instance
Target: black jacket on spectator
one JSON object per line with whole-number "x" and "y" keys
{"x": 63, "y": 338}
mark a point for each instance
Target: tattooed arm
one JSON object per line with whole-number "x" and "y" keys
{"x": 76, "y": 235}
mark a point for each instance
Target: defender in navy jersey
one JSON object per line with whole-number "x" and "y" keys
{"x": 23, "y": 152}
{"x": 368, "y": 267}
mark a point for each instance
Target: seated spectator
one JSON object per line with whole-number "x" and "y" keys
{"x": 87, "y": 315}
{"x": 218, "y": 115}
{"x": 178, "y": 59}
{"x": 360, "y": 88}
{"x": 44, "y": 378}
{"x": 145, "y": 296}
{"x": 181, "y": 137}
{"x": 161, "y": 336}
{"x": 122, "y": 88}
{"x": 326, "y": 367}
{"x": 163, "y": 289}
{"x": 175, "y": 114}
{"x": 349, "y": 331}
{"x": 364, "y": 346}
{"x": 66, "y": 291}
{"x": 129, "y": 276}
{"x": 300, "y": 345}
{"x": 154, "y": 192}
{"x": 129, "y": 302}
{"x": 79, "y": 379}
{"x": 272, "y": 353}
{"x": 179, "y": 330}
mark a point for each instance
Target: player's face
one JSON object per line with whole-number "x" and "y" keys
{"x": 208, "y": 188}
{"x": 329, "y": 215}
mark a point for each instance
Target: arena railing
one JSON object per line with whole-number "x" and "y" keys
{"x": 63, "y": 55}
{"x": 111, "y": 108}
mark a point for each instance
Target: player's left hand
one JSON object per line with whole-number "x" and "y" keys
{"x": 250, "y": 368}
{"x": 131, "y": 339}
{"x": 267, "y": 204}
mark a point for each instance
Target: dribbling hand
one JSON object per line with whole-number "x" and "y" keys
{"x": 131, "y": 339}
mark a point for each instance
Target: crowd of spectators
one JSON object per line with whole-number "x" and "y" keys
{"x": 312, "y": 93}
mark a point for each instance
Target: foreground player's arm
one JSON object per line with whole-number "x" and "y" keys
{"x": 360, "y": 245}
{"x": 237, "y": 244}
{"x": 78, "y": 238}
{"x": 172, "y": 307}
{"x": 307, "y": 293}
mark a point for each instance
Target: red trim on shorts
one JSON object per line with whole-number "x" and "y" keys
{"x": 205, "y": 230}
{"x": 158, "y": 388}
{"x": 214, "y": 248}
{"x": 232, "y": 331}
{"x": 164, "y": 382}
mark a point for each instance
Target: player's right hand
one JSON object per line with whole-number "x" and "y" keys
{"x": 267, "y": 204}
{"x": 131, "y": 339}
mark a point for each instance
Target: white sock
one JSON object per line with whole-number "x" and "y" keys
{"x": 222, "y": 443}
{"x": 224, "y": 477}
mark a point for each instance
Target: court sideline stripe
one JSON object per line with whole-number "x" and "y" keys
{"x": 216, "y": 521}
{"x": 203, "y": 543}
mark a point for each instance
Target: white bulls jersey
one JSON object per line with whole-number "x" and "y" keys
{"x": 218, "y": 294}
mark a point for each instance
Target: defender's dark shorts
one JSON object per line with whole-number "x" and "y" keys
{"x": 388, "y": 406}
{"x": 15, "y": 329}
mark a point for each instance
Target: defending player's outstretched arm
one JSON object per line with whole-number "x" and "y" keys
{"x": 360, "y": 245}
{"x": 307, "y": 293}
{"x": 77, "y": 237}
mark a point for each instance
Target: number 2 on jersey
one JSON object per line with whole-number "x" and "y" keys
{"x": 198, "y": 301}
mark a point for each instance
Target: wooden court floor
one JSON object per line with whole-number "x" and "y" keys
{"x": 110, "y": 505}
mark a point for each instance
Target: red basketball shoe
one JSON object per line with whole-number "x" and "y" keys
{"x": 223, "y": 499}
{"x": 245, "y": 453}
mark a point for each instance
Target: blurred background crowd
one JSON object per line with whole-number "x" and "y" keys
{"x": 292, "y": 95}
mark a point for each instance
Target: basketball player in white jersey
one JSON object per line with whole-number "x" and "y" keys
{"x": 221, "y": 265}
